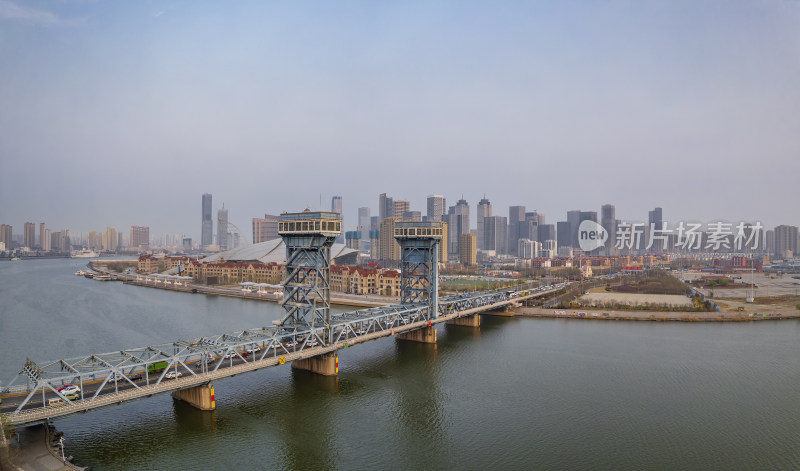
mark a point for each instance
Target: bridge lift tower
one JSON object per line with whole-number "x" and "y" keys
{"x": 419, "y": 282}
{"x": 308, "y": 237}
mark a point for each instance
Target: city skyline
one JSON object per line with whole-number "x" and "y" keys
{"x": 554, "y": 107}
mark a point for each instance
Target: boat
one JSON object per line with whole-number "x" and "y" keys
{"x": 89, "y": 275}
{"x": 103, "y": 277}
{"x": 81, "y": 272}
{"x": 84, "y": 253}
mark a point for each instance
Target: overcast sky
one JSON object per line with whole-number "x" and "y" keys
{"x": 121, "y": 113}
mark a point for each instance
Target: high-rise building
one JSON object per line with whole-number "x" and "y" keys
{"x": 29, "y": 235}
{"x": 385, "y": 207}
{"x": 655, "y": 217}
{"x": 527, "y": 248}
{"x": 388, "y": 246}
{"x": 336, "y": 207}
{"x": 436, "y": 207}
{"x": 451, "y": 218}
{"x": 109, "y": 240}
{"x": 265, "y": 228}
{"x": 207, "y": 229}
{"x": 574, "y": 220}
{"x": 222, "y": 229}
{"x": 5, "y": 235}
{"x": 563, "y": 234}
{"x": 495, "y": 235}
{"x": 786, "y": 241}
{"x": 363, "y": 221}
{"x": 44, "y": 238}
{"x": 374, "y": 244}
{"x": 462, "y": 211}
{"x": 443, "y": 244}
{"x": 586, "y": 216}
{"x": 516, "y": 214}
{"x": 401, "y": 207}
{"x": 412, "y": 216}
{"x": 140, "y": 237}
{"x": 769, "y": 247}
{"x": 484, "y": 211}
{"x": 468, "y": 249}
{"x": 608, "y": 219}
{"x": 546, "y": 232}
{"x": 119, "y": 241}
{"x": 353, "y": 240}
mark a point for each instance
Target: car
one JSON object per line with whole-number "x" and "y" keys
{"x": 65, "y": 387}
{"x": 173, "y": 375}
{"x": 70, "y": 390}
{"x": 136, "y": 377}
{"x": 72, "y": 396}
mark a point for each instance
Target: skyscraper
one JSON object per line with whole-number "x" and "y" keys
{"x": 786, "y": 241}
{"x": 336, "y": 207}
{"x": 109, "y": 240}
{"x": 5, "y": 235}
{"x": 207, "y": 229}
{"x": 364, "y": 222}
{"x": 495, "y": 235}
{"x": 41, "y": 236}
{"x": 608, "y": 219}
{"x": 574, "y": 220}
{"x": 563, "y": 234}
{"x": 401, "y": 207}
{"x": 385, "y": 207}
{"x": 484, "y": 211}
{"x": 436, "y": 207}
{"x": 265, "y": 228}
{"x": 29, "y": 235}
{"x": 467, "y": 249}
{"x": 516, "y": 214}
{"x": 388, "y": 246}
{"x": 222, "y": 228}
{"x": 462, "y": 213}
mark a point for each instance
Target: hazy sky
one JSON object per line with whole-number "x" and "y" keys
{"x": 121, "y": 113}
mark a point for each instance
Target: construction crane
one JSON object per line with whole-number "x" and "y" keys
{"x": 243, "y": 241}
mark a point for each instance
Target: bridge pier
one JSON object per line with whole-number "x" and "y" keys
{"x": 201, "y": 397}
{"x": 326, "y": 364}
{"x": 505, "y": 312}
{"x": 424, "y": 335}
{"x": 466, "y": 321}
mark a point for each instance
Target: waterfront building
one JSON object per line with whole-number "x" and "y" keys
{"x": 207, "y": 228}
{"x": 29, "y": 235}
{"x": 41, "y": 234}
{"x": 44, "y": 239}
{"x": 265, "y": 228}
{"x": 468, "y": 249}
{"x": 6, "y": 235}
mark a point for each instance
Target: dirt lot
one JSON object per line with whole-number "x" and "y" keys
{"x": 635, "y": 299}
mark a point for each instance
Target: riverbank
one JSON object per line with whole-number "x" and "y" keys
{"x": 652, "y": 315}
{"x": 340, "y": 299}
{"x": 36, "y": 451}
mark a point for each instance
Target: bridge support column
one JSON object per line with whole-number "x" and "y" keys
{"x": 424, "y": 335}
{"x": 326, "y": 364}
{"x": 505, "y": 312}
{"x": 466, "y": 321}
{"x": 201, "y": 397}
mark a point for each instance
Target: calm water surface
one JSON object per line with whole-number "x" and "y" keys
{"x": 516, "y": 393}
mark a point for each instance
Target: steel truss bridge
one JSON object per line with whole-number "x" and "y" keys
{"x": 112, "y": 378}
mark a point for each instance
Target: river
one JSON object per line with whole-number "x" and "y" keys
{"x": 517, "y": 393}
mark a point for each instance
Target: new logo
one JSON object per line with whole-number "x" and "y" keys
{"x": 591, "y": 236}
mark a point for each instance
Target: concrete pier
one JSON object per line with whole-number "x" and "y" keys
{"x": 466, "y": 321}
{"x": 326, "y": 364}
{"x": 201, "y": 397}
{"x": 424, "y": 335}
{"x": 507, "y": 312}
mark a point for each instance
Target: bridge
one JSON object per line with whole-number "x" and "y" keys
{"x": 308, "y": 335}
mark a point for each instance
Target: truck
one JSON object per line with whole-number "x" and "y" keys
{"x": 156, "y": 367}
